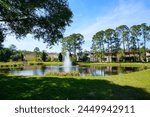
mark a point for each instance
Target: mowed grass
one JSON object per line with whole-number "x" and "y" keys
{"x": 131, "y": 86}
{"x": 8, "y": 64}
{"x": 115, "y": 64}
{"x": 31, "y": 63}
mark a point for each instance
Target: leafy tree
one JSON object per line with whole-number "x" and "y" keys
{"x": 136, "y": 34}
{"x": 60, "y": 57}
{"x": 122, "y": 41}
{"x": 2, "y": 37}
{"x": 145, "y": 29}
{"x": 116, "y": 44}
{"x": 124, "y": 32}
{"x": 109, "y": 35}
{"x": 73, "y": 43}
{"x": 37, "y": 52}
{"x": 44, "y": 19}
{"x": 15, "y": 54}
{"x": 66, "y": 44}
{"x": 83, "y": 56}
{"x": 98, "y": 44}
{"x": 36, "y": 49}
{"x": 44, "y": 56}
{"x": 13, "y": 48}
{"x": 5, "y": 54}
{"x": 22, "y": 56}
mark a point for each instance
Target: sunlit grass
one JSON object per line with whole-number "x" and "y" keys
{"x": 74, "y": 73}
{"x": 130, "y": 86}
{"x": 115, "y": 64}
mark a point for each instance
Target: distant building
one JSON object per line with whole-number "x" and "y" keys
{"x": 112, "y": 57}
{"x": 148, "y": 56}
{"x": 53, "y": 56}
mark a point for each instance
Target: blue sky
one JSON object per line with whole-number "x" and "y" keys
{"x": 91, "y": 16}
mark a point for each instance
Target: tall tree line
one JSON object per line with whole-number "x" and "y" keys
{"x": 122, "y": 41}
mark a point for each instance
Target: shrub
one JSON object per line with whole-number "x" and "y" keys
{"x": 63, "y": 74}
{"x": 31, "y": 63}
{"x": 39, "y": 63}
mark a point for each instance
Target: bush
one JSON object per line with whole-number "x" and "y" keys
{"x": 60, "y": 57}
{"x": 35, "y": 63}
{"x": 31, "y": 63}
{"x": 5, "y": 54}
{"x": 44, "y": 56}
{"x": 63, "y": 74}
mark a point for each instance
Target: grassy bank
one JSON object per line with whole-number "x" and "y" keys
{"x": 7, "y": 64}
{"x": 4, "y": 65}
{"x": 15, "y": 64}
{"x": 115, "y": 64}
{"x": 130, "y": 86}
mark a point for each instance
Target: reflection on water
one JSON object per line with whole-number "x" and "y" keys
{"x": 84, "y": 71}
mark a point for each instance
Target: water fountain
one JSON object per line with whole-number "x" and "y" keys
{"x": 67, "y": 63}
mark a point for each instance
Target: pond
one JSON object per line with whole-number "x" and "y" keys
{"x": 83, "y": 70}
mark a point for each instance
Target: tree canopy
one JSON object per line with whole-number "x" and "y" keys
{"x": 73, "y": 43}
{"x": 128, "y": 43}
{"x": 44, "y": 19}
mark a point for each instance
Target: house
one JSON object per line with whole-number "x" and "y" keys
{"x": 148, "y": 56}
{"x": 88, "y": 56}
{"x": 53, "y": 56}
{"x": 110, "y": 57}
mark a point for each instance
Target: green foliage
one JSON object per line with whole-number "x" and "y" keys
{"x": 98, "y": 44}
{"x": 2, "y": 37}
{"x": 72, "y": 43}
{"x": 36, "y": 50}
{"x": 111, "y": 42}
{"x": 44, "y": 19}
{"x": 60, "y": 57}
{"x": 145, "y": 31}
{"x": 44, "y": 56}
{"x": 13, "y": 48}
{"x": 37, "y": 53}
{"x": 83, "y": 56}
{"x": 5, "y": 54}
{"x": 36, "y": 63}
{"x": 18, "y": 56}
{"x": 123, "y": 33}
{"x": 63, "y": 74}
{"x": 73, "y": 59}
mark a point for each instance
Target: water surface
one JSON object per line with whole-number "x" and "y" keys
{"x": 83, "y": 70}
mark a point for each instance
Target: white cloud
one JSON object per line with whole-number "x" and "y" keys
{"x": 126, "y": 12}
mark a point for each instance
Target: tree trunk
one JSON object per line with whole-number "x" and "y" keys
{"x": 103, "y": 51}
{"x": 124, "y": 49}
{"x": 108, "y": 53}
{"x": 139, "y": 51}
{"x": 129, "y": 52}
{"x": 144, "y": 48}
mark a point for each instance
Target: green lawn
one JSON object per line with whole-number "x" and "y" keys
{"x": 115, "y": 64}
{"x": 130, "y": 86}
{"x": 21, "y": 64}
{"x": 80, "y": 63}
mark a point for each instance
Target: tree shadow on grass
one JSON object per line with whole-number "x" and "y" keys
{"x": 20, "y": 88}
